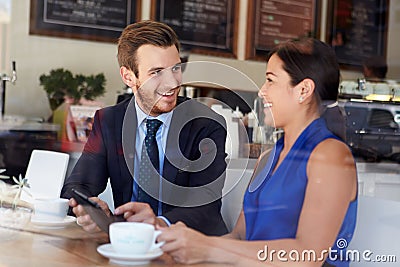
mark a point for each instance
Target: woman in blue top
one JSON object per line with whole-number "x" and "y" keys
{"x": 300, "y": 207}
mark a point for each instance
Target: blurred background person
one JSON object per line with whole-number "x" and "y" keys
{"x": 375, "y": 68}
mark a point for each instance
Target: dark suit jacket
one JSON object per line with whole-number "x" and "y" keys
{"x": 200, "y": 133}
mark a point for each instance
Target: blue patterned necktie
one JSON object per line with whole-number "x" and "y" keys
{"x": 148, "y": 179}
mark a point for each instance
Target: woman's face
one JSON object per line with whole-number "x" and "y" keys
{"x": 277, "y": 94}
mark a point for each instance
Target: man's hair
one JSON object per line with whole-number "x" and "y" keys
{"x": 142, "y": 33}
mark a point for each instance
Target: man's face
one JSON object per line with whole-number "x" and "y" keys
{"x": 159, "y": 79}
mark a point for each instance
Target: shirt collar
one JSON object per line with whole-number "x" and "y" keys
{"x": 165, "y": 118}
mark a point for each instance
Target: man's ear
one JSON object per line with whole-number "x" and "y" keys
{"x": 307, "y": 88}
{"x": 128, "y": 77}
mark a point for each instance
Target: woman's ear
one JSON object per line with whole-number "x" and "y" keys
{"x": 128, "y": 77}
{"x": 306, "y": 89}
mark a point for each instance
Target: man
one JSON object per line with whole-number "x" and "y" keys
{"x": 190, "y": 161}
{"x": 375, "y": 68}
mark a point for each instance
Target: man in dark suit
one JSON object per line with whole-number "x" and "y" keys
{"x": 190, "y": 140}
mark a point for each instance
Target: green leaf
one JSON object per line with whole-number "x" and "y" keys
{"x": 61, "y": 83}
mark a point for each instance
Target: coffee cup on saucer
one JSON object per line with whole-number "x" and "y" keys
{"x": 133, "y": 237}
{"x": 51, "y": 210}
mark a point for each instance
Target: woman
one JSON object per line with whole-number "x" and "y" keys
{"x": 303, "y": 199}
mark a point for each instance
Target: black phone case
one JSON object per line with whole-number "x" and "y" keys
{"x": 96, "y": 213}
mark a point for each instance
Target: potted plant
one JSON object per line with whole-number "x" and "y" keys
{"x": 60, "y": 84}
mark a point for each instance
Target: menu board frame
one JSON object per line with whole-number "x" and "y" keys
{"x": 208, "y": 49}
{"x": 255, "y": 53}
{"x": 352, "y": 60}
{"x": 39, "y": 25}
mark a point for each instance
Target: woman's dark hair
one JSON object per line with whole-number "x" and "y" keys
{"x": 314, "y": 59}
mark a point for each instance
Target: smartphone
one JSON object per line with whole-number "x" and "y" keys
{"x": 98, "y": 215}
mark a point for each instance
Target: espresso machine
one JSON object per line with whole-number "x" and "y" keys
{"x": 4, "y": 79}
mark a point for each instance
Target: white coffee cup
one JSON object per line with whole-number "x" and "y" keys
{"x": 133, "y": 237}
{"x": 53, "y": 209}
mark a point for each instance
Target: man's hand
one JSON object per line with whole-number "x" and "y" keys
{"x": 83, "y": 219}
{"x": 139, "y": 212}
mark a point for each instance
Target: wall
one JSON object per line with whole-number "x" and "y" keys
{"x": 37, "y": 54}
{"x": 393, "y": 51}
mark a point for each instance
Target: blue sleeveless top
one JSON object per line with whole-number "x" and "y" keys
{"x": 273, "y": 201}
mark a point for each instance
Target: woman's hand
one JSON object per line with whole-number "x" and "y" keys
{"x": 185, "y": 245}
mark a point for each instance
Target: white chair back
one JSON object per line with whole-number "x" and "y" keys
{"x": 45, "y": 173}
{"x": 107, "y": 196}
{"x": 236, "y": 183}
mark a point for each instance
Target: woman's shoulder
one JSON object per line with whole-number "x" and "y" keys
{"x": 332, "y": 147}
{"x": 332, "y": 167}
{"x": 331, "y": 152}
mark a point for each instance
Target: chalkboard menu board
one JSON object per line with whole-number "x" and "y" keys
{"x": 83, "y": 19}
{"x": 358, "y": 30}
{"x": 271, "y": 22}
{"x": 202, "y": 26}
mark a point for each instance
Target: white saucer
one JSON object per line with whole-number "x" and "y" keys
{"x": 128, "y": 259}
{"x": 53, "y": 224}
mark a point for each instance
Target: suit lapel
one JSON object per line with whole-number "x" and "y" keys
{"x": 179, "y": 129}
{"x": 173, "y": 151}
{"x": 129, "y": 128}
